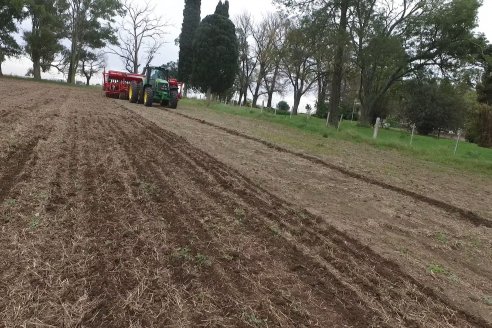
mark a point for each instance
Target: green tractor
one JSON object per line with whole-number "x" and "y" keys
{"x": 156, "y": 86}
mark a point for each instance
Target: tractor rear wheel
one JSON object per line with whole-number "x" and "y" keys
{"x": 164, "y": 103}
{"x": 133, "y": 92}
{"x": 148, "y": 97}
{"x": 123, "y": 96}
{"x": 173, "y": 102}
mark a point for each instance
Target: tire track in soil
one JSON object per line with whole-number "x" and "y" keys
{"x": 110, "y": 151}
{"x": 464, "y": 214}
{"x": 103, "y": 232}
{"x": 104, "y": 287}
{"x": 384, "y": 270}
{"x": 16, "y": 160}
{"x": 380, "y": 264}
{"x": 149, "y": 172}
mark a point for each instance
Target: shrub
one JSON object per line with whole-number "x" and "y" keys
{"x": 283, "y": 105}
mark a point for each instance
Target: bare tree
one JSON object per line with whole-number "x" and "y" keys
{"x": 140, "y": 35}
{"x": 273, "y": 79}
{"x": 298, "y": 63}
{"x": 268, "y": 36}
{"x": 247, "y": 61}
{"x": 90, "y": 64}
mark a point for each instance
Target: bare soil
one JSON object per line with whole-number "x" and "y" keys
{"x": 468, "y": 190}
{"x": 117, "y": 215}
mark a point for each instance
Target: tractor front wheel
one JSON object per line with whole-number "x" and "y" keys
{"x": 133, "y": 92}
{"x": 148, "y": 97}
{"x": 173, "y": 102}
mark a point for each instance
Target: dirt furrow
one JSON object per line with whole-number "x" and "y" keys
{"x": 242, "y": 288}
{"x": 382, "y": 271}
{"x": 22, "y": 152}
{"x": 117, "y": 222}
{"x": 464, "y": 214}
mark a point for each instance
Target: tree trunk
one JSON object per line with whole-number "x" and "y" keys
{"x": 321, "y": 110}
{"x": 240, "y": 96}
{"x": 36, "y": 68}
{"x": 245, "y": 94}
{"x": 135, "y": 67}
{"x": 74, "y": 58}
{"x": 297, "y": 101}
{"x": 1, "y": 73}
{"x": 88, "y": 77}
{"x": 271, "y": 89}
{"x": 209, "y": 95}
{"x": 269, "y": 101}
{"x": 256, "y": 94}
{"x": 367, "y": 116}
{"x": 336, "y": 86}
{"x": 260, "y": 77}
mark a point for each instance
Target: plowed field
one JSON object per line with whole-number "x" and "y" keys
{"x": 110, "y": 217}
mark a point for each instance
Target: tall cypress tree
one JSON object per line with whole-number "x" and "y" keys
{"x": 191, "y": 20}
{"x": 215, "y": 52}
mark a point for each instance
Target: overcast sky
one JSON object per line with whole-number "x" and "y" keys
{"x": 172, "y": 13}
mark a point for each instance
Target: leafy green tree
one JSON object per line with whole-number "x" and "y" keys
{"x": 10, "y": 13}
{"x": 215, "y": 53}
{"x": 172, "y": 68}
{"x": 191, "y": 20}
{"x": 283, "y": 105}
{"x": 428, "y": 34}
{"x": 484, "y": 89}
{"x": 87, "y": 24}
{"x": 434, "y": 105}
{"x": 332, "y": 21}
{"x": 43, "y": 41}
{"x": 222, "y": 9}
{"x": 390, "y": 42}
{"x": 482, "y": 119}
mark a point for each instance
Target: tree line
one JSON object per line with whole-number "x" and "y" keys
{"x": 416, "y": 61}
{"x": 73, "y": 36}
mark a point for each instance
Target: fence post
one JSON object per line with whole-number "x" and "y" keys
{"x": 457, "y": 141}
{"x": 327, "y": 118}
{"x": 340, "y": 122}
{"x": 376, "y": 128}
{"x": 413, "y": 132}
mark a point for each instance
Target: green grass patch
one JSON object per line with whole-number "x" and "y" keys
{"x": 469, "y": 156}
{"x": 441, "y": 237}
{"x": 437, "y": 269}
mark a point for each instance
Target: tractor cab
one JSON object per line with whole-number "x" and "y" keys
{"x": 157, "y": 73}
{"x": 164, "y": 90}
{"x": 157, "y": 87}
